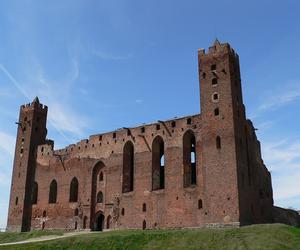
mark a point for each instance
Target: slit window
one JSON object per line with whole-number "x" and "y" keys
{"x": 189, "y": 121}
{"x": 144, "y": 207}
{"x": 213, "y": 67}
{"x": 216, "y": 111}
{"x": 218, "y": 142}
{"x": 200, "y": 204}
{"x": 101, "y": 176}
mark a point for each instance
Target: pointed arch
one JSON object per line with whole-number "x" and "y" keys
{"x": 189, "y": 159}
{"x": 158, "y": 163}
{"x": 73, "y": 190}
{"x": 99, "y": 165}
{"x": 35, "y": 190}
{"x": 53, "y": 192}
{"x": 128, "y": 167}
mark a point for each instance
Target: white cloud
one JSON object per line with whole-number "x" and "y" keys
{"x": 282, "y": 155}
{"x": 7, "y": 143}
{"x": 14, "y": 81}
{"x": 280, "y": 99}
{"x": 55, "y": 94}
{"x": 64, "y": 119}
{"x": 283, "y": 160}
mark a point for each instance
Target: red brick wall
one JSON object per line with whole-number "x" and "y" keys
{"x": 222, "y": 173}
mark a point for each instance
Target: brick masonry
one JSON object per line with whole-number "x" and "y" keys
{"x": 195, "y": 171}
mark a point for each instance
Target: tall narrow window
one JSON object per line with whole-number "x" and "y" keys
{"x": 100, "y": 197}
{"x": 144, "y": 225}
{"x": 218, "y": 142}
{"x": 101, "y": 176}
{"x": 189, "y": 159}
{"x": 158, "y": 164}
{"x": 74, "y": 190}
{"x": 200, "y": 204}
{"x": 128, "y": 167}
{"x": 53, "y": 192}
{"x": 34, "y": 193}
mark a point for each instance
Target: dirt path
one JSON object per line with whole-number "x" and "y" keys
{"x": 45, "y": 238}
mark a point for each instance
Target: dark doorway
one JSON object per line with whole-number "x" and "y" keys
{"x": 99, "y": 222}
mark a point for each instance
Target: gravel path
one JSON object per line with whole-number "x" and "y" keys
{"x": 45, "y": 238}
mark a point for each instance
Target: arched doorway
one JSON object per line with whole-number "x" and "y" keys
{"x": 99, "y": 221}
{"x": 94, "y": 218}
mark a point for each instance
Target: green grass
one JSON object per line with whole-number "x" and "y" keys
{"x": 6, "y": 237}
{"x": 271, "y": 237}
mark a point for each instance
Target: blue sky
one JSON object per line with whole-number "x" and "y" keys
{"x": 102, "y": 65}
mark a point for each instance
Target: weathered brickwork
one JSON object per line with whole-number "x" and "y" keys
{"x": 200, "y": 170}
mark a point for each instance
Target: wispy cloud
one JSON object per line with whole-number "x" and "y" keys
{"x": 282, "y": 155}
{"x": 280, "y": 99}
{"x": 283, "y": 159}
{"x": 108, "y": 56}
{"x": 7, "y": 143}
{"x": 15, "y": 82}
{"x": 61, "y": 115}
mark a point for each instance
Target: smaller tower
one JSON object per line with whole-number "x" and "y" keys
{"x": 31, "y": 133}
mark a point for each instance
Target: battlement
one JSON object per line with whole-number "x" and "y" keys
{"x": 114, "y": 139}
{"x": 35, "y": 104}
{"x": 217, "y": 47}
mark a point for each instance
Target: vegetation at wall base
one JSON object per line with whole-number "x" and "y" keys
{"x": 271, "y": 236}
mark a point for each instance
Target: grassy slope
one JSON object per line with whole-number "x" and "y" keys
{"x": 13, "y": 237}
{"x": 252, "y": 237}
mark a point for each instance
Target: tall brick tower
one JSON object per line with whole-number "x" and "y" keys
{"x": 31, "y": 133}
{"x": 231, "y": 151}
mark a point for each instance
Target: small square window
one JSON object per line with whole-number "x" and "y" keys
{"x": 213, "y": 67}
